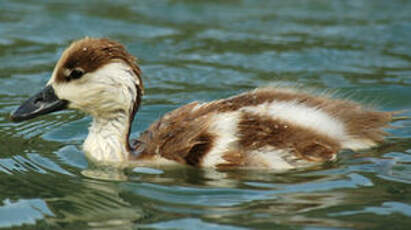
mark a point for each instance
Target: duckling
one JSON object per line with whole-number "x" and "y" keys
{"x": 272, "y": 127}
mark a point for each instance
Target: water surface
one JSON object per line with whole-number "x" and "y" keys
{"x": 204, "y": 50}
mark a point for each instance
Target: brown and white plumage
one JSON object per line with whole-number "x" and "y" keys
{"x": 266, "y": 128}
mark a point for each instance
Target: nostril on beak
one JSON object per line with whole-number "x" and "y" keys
{"x": 38, "y": 100}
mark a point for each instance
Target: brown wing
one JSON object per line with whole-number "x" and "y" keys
{"x": 180, "y": 135}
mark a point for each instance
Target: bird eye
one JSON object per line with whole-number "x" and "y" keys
{"x": 76, "y": 74}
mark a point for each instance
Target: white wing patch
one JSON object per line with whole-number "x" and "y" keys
{"x": 224, "y": 127}
{"x": 312, "y": 118}
{"x": 301, "y": 115}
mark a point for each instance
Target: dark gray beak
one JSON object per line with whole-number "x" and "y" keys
{"x": 43, "y": 102}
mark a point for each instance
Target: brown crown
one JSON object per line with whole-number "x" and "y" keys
{"x": 90, "y": 54}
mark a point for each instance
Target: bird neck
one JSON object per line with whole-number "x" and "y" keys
{"x": 107, "y": 141}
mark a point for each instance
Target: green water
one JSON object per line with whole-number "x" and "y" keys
{"x": 204, "y": 50}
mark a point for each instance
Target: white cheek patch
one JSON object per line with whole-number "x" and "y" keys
{"x": 112, "y": 87}
{"x": 137, "y": 80}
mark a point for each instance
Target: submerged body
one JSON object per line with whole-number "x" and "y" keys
{"x": 266, "y": 128}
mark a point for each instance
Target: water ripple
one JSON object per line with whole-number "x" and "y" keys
{"x": 205, "y": 50}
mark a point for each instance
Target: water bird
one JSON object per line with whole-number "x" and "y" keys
{"x": 272, "y": 127}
